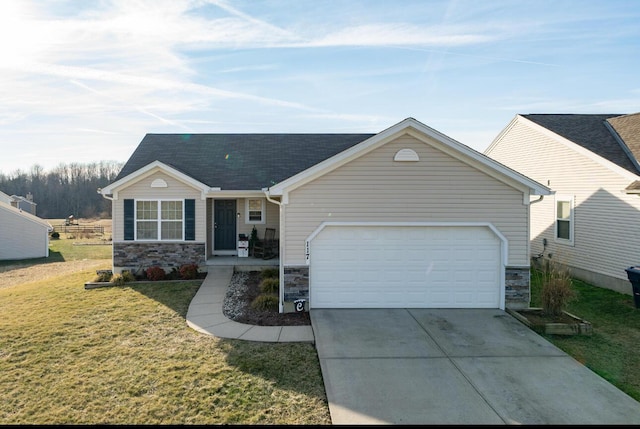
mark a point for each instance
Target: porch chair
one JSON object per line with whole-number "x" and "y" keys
{"x": 266, "y": 248}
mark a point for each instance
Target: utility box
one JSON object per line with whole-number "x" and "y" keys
{"x": 633, "y": 273}
{"x": 243, "y": 246}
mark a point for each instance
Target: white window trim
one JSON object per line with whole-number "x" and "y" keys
{"x": 158, "y": 220}
{"x": 571, "y": 200}
{"x": 263, "y": 209}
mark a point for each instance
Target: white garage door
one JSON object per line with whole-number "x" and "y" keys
{"x": 405, "y": 267}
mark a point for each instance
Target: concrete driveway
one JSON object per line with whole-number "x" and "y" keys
{"x": 425, "y": 366}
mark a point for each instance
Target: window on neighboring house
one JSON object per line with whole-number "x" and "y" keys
{"x": 255, "y": 210}
{"x": 564, "y": 219}
{"x": 159, "y": 220}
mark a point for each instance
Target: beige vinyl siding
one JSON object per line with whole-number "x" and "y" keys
{"x": 607, "y": 221}
{"x": 20, "y": 236}
{"x": 438, "y": 188}
{"x": 142, "y": 190}
{"x": 272, "y": 219}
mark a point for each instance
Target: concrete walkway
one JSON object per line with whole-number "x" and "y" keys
{"x": 205, "y": 315}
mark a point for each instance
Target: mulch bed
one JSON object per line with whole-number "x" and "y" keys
{"x": 252, "y": 316}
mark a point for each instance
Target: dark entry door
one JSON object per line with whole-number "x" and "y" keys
{"x": 224, "y": 223}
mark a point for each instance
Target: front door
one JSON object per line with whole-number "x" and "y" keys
{"x": 224, "y": 224}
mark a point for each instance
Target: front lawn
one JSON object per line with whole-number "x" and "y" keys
{"x": 125, "y": 355}
{"x": 613, "y": 351}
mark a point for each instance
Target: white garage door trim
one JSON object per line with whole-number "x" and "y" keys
{"x": 488, "y": 225}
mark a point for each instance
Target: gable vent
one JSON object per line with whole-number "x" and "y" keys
{"x": 159, "y": 183}
{"x": 406, "y": 155}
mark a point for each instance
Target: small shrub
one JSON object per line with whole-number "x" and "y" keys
{"x": 270, "y": 273}
{"x": 128, "y": 276}
{"x": 269, "y": 285}
{"x": 118, "y": 280}
{"x": 155, "y": 273}
{"x": 556, "y": 291}
{"x": 55, "y": 235}
{"x": 103, "y": 276}
{"x": 265, "y": 302}
{"x": 188, "y": 271}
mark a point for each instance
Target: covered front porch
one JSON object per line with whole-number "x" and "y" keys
{"x": 232, "y": 215}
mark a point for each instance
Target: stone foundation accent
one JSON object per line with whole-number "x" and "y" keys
{"x": 133, "y": 255}
{"x": 296, "y": 286}
{"x": 517, "y": 287}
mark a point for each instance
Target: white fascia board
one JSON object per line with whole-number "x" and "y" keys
{"x": 579, "y": 149}
{"x": 419, "y": 131}
{"x": 148, "y": 170}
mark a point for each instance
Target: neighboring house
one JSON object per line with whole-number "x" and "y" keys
{"x": 22, "y": 235}
{"x": 407, "y": 217}
{"x": 591, "y": 162}
{"x": 22, "y": 203}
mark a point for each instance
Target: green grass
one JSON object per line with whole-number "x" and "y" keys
{"x": 125, "y": 355}
{"x": 63, "y": 249}
{"x": 613, "y": 351}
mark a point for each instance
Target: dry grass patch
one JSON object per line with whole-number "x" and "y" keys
{"x": 124, "y": 355}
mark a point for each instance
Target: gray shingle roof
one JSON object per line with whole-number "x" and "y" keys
{"x": 239, "y": 161}
{"x": 628, "y": 129}
{"x": 590, "y": 132}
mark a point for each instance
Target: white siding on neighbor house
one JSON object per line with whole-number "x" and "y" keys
{"x": 606, "y": 220}
{"x": 20, "y": 236}
{"x": 142, "y": 190}
{"x": 437, "y": 188}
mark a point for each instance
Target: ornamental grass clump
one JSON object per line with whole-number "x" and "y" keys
{"x": 557, "y": 289}
{"x": 270, "y": 285}
{"x": 266, "y": 302}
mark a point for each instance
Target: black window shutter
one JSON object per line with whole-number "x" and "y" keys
{"x": 129, "y": 220}
{"x": 189, "y": 219}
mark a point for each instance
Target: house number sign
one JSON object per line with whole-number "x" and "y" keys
{"x": 306, "y": 251}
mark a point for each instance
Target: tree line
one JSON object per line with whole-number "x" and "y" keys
{"x": 68, "y": 189}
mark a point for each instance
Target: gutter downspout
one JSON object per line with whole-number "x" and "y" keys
{"x": 280, "y": 251}
{"x": 544, "y": 246}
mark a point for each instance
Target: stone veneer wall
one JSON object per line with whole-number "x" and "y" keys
{"x": 517, "y": 287}
{"x": 296, "y": 286}
{"x": 134, "y": 255}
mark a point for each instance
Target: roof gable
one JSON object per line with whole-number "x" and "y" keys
{"x": 426, "y": 134}
{"x": 627, "y": 127}
{"x": 238, "y": 161}
{"x": 591, "y": 132}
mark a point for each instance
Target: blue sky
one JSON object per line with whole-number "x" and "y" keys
{"x": 84, "y": 81}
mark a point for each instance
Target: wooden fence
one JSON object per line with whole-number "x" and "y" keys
{"x": 79, "y": 229}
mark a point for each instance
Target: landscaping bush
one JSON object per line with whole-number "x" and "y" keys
{"x": 265, "y": 302}
{"x": 270, "y": 285}
{"x": 270, "y": 273}
{"x": 103, "y": 276}
{"x": 128, "y": 276}
{"x": 556, "y": 292}
{"x": 155, "y": 273}
{"x": 118, "y": 280}
{"x": 55, "y": 235}
{"x": 188, "y": 271}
